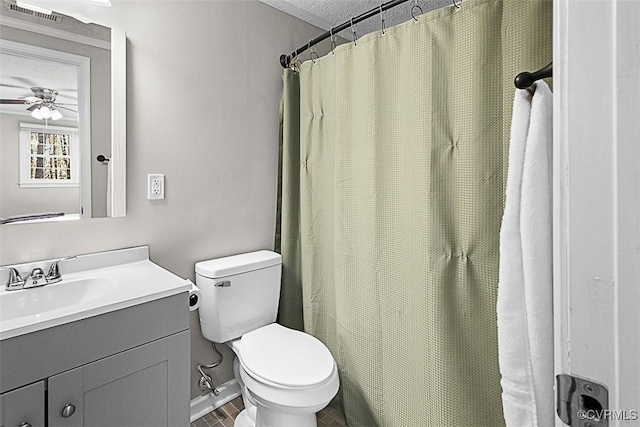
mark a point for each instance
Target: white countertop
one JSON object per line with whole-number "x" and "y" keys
{"x": 93, "y": 284}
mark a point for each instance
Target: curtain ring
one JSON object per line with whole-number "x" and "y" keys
{"x": 292, "y": 61}
{"x": 455, "y": 5}
{"x": 295, "y": 64}
{"x": 382, "y": 20}
{"x": 333, "y": 41}
{"x": 416, "y": 6}
{"x": 355, "y": 35}
{"x": 313, "y": 52}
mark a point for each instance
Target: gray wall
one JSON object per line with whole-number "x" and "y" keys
{"x": 203, "y": 87}
{"x": 100, "y": 105}
{"x": 16, "y": 200}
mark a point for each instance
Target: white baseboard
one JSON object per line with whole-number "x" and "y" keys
{"x": 202, "y": 405}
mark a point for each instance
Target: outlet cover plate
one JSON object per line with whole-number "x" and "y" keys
{"x": 155, "y": 186}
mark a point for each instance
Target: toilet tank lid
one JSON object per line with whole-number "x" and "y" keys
{"x": 236, "y": 264}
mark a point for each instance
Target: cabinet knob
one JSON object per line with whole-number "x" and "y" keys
{"x": 25, "y": 425}
{"x": 68, "y": 410}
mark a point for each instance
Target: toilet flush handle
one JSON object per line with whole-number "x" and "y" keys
{"x": 224, "y": 284}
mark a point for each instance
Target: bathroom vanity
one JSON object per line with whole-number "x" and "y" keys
{"x": 114, "y": 358}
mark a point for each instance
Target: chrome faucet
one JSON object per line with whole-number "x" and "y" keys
{"x": 35, "y": 278}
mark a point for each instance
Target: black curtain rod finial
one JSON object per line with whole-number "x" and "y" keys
{"x": 285, "y": 61}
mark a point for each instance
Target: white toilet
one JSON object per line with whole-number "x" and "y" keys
{"x": 286, "y": 376}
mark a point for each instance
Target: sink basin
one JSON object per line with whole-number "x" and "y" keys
{"x": 91, "y": 285}
{"x": 57, "y": 296}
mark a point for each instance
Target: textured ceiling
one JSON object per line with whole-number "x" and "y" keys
{"x": 330, "y": 13}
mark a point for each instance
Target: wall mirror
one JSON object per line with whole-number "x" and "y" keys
{"x": 62, "y": 117}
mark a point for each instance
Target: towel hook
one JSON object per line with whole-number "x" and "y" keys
{"x": 455, "y": 5}
{"x": 416, "y": 6}
{"x": 355, "y": 34}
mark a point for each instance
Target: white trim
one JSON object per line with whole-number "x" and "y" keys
{"x": 118, "y": 161}
{"x": 49, "y": 128}
{"x": 54, "y": 32}
{"x": 84, "y": 124}
{"x": 30, "y": 51}
{"x": 53, "y": 183}
{"x": 202, "y": 405}
{"x": 597, "y": 196}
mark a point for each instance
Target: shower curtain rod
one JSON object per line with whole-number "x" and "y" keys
{"x": 285, "y": 60}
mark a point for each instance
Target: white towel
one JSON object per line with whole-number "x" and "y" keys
{"x": 525, "y": 312}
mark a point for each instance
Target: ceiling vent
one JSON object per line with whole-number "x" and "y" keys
{"x": 12, "y": 7}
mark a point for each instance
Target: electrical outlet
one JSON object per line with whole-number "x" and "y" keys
{"x": 155, "y": 186}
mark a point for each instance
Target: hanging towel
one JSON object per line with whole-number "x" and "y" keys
{"x": 525, "y": 312}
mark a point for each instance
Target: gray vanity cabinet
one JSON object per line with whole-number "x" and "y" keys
{"x": 129, "y": 367}
{"x": 23, "y": 407}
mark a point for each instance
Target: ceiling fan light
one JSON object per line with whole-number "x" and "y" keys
{"x": 55, "y": 114}
{"x": 36, "y": 114}
{"x": 45, "y": 112}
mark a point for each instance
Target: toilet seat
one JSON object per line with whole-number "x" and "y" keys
{"x": 285, "y": 357}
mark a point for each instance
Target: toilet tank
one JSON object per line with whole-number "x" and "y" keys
{"x": 240, "y": 293}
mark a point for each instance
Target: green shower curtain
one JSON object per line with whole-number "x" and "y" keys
{"x": 394, "y": 164}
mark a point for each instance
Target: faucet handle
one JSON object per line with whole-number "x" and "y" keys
{"x": 15, "y": 279}
{"x": 53, "y": 275}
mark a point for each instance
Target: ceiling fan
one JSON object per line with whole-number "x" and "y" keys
{"x": 42, "y": 104}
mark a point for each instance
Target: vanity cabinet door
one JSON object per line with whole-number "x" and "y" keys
{"x": 23, "y": 407}
{"x": 145, "y": 386}
{"x": 65, "y": 400}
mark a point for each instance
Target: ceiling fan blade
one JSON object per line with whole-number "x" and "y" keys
{"x": 65, "y": 108}
{"x": 12, "y": 101}
{"x": 32, "y": 99}
{"x": 33, "y": 107}
{"x": 63, "y": 103}
{"x": 11, "y": 86}
{"x": 24, "y": 80}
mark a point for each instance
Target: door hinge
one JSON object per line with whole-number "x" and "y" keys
{"x": 582, "y": 402}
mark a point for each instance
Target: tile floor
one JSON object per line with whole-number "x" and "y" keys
{"x": 224, "y": 416}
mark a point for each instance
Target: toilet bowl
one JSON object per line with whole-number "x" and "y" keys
{"x": 286, "y": 376}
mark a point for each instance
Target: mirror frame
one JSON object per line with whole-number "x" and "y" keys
{"x": 118, "y": 162}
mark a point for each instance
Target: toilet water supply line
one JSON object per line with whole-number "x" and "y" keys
{"x": 206, "y": 382}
